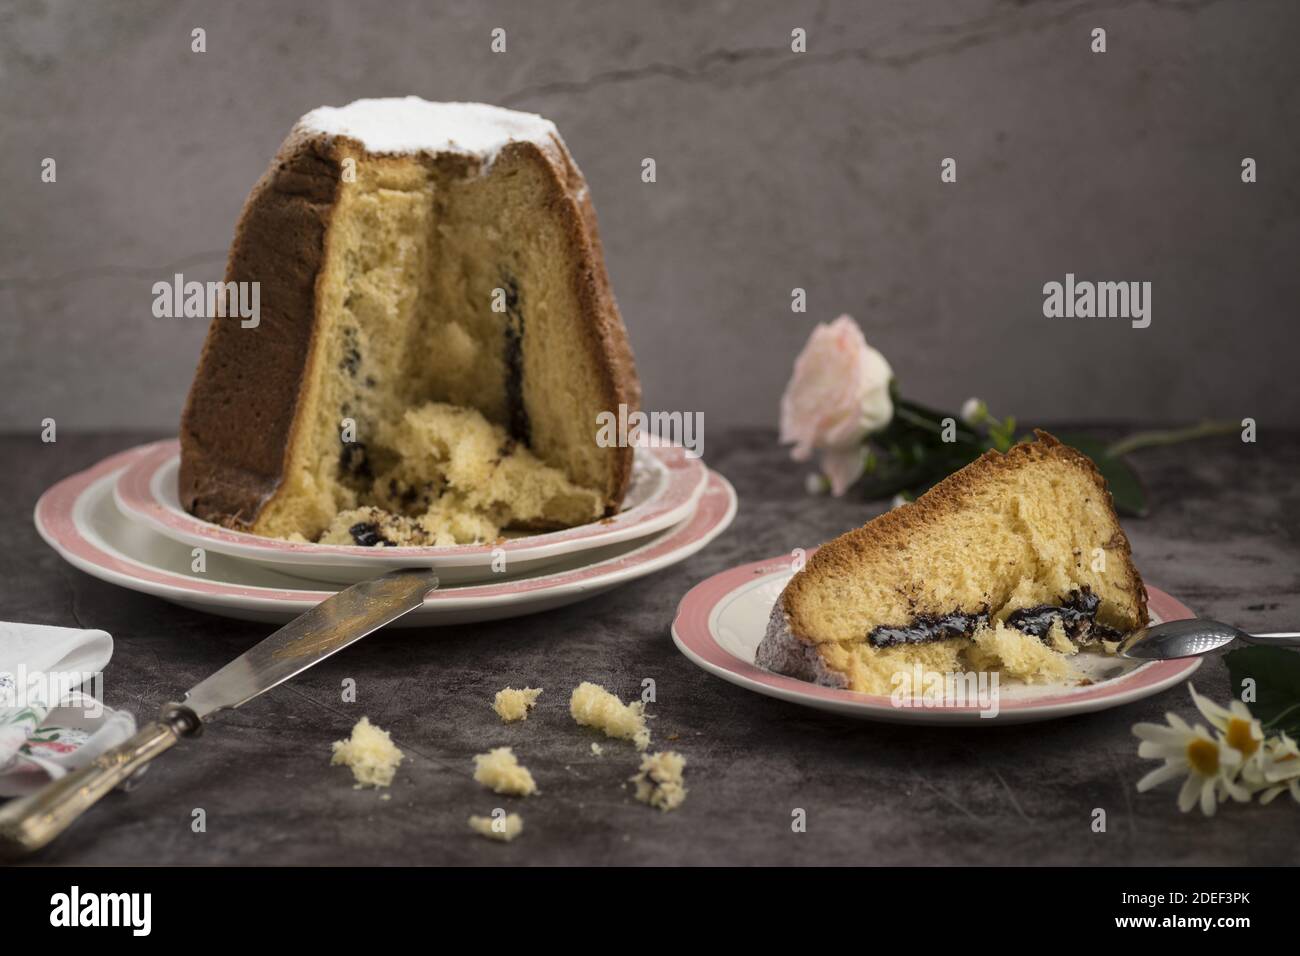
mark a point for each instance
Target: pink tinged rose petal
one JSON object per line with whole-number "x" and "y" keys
{"x": 838, "y": 393}
{"x": 843, "y": 466}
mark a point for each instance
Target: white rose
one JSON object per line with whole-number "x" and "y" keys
{"x": 837, "y": 396}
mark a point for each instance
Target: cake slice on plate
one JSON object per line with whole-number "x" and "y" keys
{"x": 436, "y": 338}
{"x": 1012, "y": 564}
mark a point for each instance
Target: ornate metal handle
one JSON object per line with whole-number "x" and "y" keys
{"x": 29, "y": 823}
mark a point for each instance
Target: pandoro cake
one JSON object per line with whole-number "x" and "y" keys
{"x": 437, "y": 337}
{"x": 1011, "y": 564}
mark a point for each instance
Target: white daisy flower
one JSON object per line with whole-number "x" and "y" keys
{"x": 1266, "y": 796}
{"x": 974, "y": 411}
{"x": 1207, "y": 764}
{"x": 1240, "y": 730}
{"x": 1276, "y": 770}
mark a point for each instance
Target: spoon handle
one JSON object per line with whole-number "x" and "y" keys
{"x": 1277, "y": 639}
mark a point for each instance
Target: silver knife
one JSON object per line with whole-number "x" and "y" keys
{"x": 29, "y": 823}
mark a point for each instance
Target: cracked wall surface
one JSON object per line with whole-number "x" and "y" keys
{"x": 775, "y": 170}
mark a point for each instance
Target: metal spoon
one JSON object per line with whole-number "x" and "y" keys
{"x": 1194, "y": 637}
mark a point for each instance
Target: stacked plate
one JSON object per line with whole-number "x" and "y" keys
{"x": 121, "y": 521}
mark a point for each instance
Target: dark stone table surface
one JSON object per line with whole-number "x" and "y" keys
{"x": 1222, "y": 537}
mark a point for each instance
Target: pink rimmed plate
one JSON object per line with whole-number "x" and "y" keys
{"x": 721, "y": 621}
{"x": 80, "y": 520}
{"x": 666, "y": 484}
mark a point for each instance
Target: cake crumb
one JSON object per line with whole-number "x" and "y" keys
{"x": 1059, "y": 641}
{"x": 502, "y": 829}
{"x": 512, "y": 705}
{"x": 593, "y": 706}
{"x": 597, "y": 749}
{"x": 500, "y": 771}
{"x": 455, "y": 478}
{"x": 371, "y": 754}
{"x": 1018, "y": 655}
{"x": 659, "y": 781}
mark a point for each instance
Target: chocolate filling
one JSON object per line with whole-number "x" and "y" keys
{"x": 1104, "y": 632}
{"x": 354, "y": 462}
{"x": 928, "y": 627}
{"x": 367, "y": 534}
{"x": 518, "y": 425}
{"x": 407, "y": 497}
{"x": 1077, "y": 614}
{"x": 351, "y": 360}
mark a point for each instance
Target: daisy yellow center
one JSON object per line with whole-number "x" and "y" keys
{"x": 1240, "y": 738}
{"x": 1203, "y": 755}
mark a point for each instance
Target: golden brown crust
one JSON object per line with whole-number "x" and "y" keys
{"x": 237, "y": 427}
{"x": 607, "y": 342}
{"x": 895, "y": 527}
{"x": 236, "y": 430}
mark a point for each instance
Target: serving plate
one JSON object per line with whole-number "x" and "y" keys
{"x": 665, "y": 486}
{"x": 79, "y": 518}
{"x": 721, "y": 621}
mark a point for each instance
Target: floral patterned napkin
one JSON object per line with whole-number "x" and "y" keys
{"x": 52, "y": 719}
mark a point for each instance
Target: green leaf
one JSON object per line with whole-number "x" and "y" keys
{"x": 1003, "y": 433}
{"x": 898, "y": 470}
{"x": 1276, "y": 673}
{"x": 1125, "y": 486}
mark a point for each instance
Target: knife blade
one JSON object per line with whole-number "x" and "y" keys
{"x": 308, "y": 639}
{"x": 29, "y": 823}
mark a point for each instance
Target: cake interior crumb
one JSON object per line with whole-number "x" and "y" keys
{"x": 452, "y": 477}
{"x": 593, "y": 706}
{"x": 500, "y": 771}
{"x": 1022, "y": 656}
{"x": 500, "y": 828}
{"x": 512, "y": 705}
{"x": 370, "y": 753}
{"x": 659, "y": 782}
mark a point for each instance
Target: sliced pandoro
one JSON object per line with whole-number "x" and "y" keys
{"x": 1011, "y": 563}
{"x": 411, "y": 256}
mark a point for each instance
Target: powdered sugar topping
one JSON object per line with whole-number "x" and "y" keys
{"x": 410, "y": 125}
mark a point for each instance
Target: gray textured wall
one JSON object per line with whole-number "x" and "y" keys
{"x": 775, "y": 170}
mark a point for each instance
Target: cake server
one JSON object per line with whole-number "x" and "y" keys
{"x": 1194, "y": 637}
{"x": 29, "y": 823}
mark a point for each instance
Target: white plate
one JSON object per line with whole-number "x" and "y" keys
{"x": 79, "y": 519}
{"x": 665, "y": 486}
{"x": 721, "y": 621}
